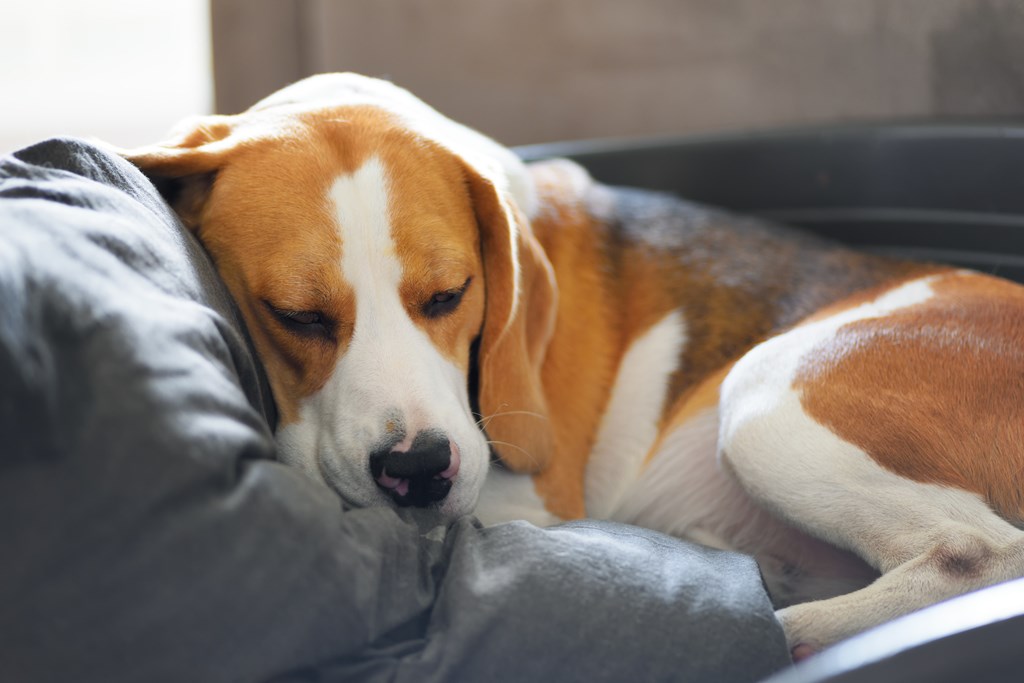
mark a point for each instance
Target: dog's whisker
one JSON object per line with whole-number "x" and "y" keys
{"x": 484, "y": 421}
{"x": 518, "y": 448}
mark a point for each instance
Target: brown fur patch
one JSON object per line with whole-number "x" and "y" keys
{"x": 933, "y": 392}
{"x": 579, "y": 367}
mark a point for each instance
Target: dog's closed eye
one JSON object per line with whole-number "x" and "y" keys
{"x": 444, "y": 302}
{"x": 305, "y": 323}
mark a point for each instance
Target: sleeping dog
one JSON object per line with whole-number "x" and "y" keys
{"x": 425, "y": 303}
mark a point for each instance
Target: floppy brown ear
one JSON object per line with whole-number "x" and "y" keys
{"x": 519, "y": 320}
{"x": 184, "y": 166}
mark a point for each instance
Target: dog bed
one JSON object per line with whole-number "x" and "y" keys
{"x": 148, "y": 534}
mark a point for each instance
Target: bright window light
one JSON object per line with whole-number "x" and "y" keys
{"x": 120, "y": 70}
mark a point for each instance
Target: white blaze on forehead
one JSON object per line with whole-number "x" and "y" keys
{"x": 391, "y": 364}
{"x": 368, "y": 253}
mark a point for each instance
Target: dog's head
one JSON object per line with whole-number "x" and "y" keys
{"x": 372, "y": 246}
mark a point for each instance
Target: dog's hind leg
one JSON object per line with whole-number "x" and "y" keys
{"x": 949, "y": 560}
{"x": 929, "y": 541}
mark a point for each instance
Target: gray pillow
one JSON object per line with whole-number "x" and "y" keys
{"x": 148, "y": 534}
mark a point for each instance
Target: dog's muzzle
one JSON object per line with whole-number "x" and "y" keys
{"x": 420, "y": 475}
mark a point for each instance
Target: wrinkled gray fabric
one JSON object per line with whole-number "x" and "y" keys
{"x": 147, "y": 534}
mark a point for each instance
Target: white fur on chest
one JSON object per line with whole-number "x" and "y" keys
{"x": 628, "y": 431}
{"x": 629, "y": 427}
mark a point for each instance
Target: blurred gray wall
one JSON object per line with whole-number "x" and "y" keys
{"x": 529, "y": 71}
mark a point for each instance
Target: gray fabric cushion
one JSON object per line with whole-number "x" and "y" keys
{"x": 148, "y": 535}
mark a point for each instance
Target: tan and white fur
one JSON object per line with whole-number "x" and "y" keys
{"x": 851, "y": 421}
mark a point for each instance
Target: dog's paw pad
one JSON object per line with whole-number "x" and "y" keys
{"x": 801, "y": 651}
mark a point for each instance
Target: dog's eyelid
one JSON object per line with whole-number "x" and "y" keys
{"x": 287, "y": 311}
{"x": 303, "y": 317}
{"x": 455, "y": 291}
{"x": 443, "y": 302}
{"x": 299, "y": 318}
{"x": 442, "y": 297}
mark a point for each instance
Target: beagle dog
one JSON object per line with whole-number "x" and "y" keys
{"x": 425, "y": 303}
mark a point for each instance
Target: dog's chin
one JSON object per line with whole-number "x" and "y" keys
{"x": 455, "y": 505}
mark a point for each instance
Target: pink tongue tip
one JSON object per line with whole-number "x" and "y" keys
{"x": 399, "y": 486}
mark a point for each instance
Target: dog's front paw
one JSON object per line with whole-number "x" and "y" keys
{"x": 809, "y": 629}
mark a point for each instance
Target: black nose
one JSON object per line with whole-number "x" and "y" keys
{"x": 419, "y": 476}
